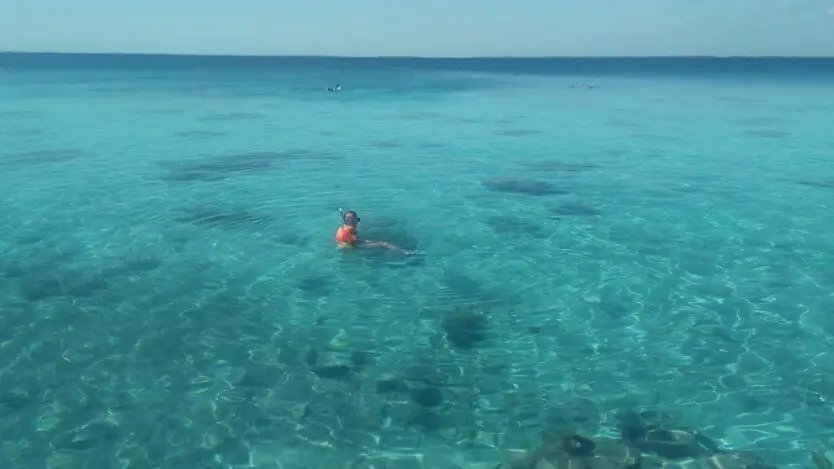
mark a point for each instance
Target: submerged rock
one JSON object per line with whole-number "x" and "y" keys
{"x": 676, "y": 444}
{"x": 652, "y": 433}
{"x": 649, "y": 441}
{"x": 577, "y": 452}
{"x": 465, "y": 329}
{"x": 819, "y": 459}
{"x": 729, "y": 460}
{"x": 337, "y": 372}
{"x": 427, "y": 397}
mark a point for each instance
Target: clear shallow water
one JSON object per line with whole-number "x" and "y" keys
{"x": 171, "y": 294}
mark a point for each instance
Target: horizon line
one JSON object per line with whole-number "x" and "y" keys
{"x": 422, "y": 57}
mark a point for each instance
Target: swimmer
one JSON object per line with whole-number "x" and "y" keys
{"x": 347, "y": 237}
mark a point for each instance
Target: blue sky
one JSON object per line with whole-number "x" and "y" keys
{"x": 422, "y": 27}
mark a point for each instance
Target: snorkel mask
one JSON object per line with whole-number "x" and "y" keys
{"x": 350, "y": 218}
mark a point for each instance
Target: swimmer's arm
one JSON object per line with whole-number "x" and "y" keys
{"x": 383, "y": 244}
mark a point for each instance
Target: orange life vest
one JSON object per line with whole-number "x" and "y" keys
{"x": 346, "y": 235}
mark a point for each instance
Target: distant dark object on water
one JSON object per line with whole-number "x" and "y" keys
{"x": 583, "y": 87}
{"x": 335, "y": 89}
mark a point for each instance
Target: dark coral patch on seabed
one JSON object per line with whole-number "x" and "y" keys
{"x": 234, "y": 116}
{"x": 516, "y": 132}
{"x": 561, "y": 166}
{"x": 197, "y": 133}
{"x": 39, "y": 157}
{"x": 214, "y": 217}
{"x": 768, "y": 133}
{"x": 527, "y": 187}
{"x": 217, "y": 168}
{"x": 825, "y": 183}
{"x": 575, "y": 209}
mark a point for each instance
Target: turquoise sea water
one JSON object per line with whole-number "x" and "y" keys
{"x": 171, "y": 295}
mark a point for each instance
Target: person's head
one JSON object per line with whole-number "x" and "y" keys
{"x": 351, "y": 218}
